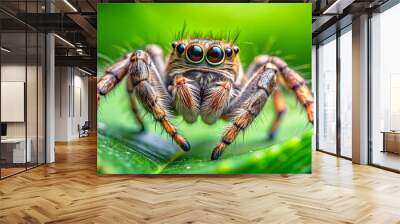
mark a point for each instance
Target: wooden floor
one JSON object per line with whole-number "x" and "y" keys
{"x": 70, "y": 191}
{"x": 5, "y": 172}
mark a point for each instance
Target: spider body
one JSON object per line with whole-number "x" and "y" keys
{"x": 204, "y": 78}
{"x": 201, "y": 78}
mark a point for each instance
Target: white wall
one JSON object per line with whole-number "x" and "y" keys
{"x": 71, "y": 102}
{"x": 80, "y": 110}
{"x": 61, "y": 115}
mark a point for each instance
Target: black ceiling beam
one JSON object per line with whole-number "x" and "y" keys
{"x": 91, "y": 5}
{"x": 332, "y": 29}
{"x": 340, "y": 21}
{"x": 325, "y": 24}
{"x": 90, "y": 70}
{"x": 49, "y": 22}
{"x": 8, "y": 24}
{"x": 78, "y": 61}
{"x": 64, "y": 51}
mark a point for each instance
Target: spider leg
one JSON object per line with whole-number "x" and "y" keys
{"x": 291, "y": 78}
{"x": 151, "y": 92}
{"x": 245, "y": 108}
{"x": 280, "y": 110}
{"x": 114, "y": 74}
{"x": 298, "y": 85}
{"x": 157, "y": 56}
{"x": 134, "y": 105}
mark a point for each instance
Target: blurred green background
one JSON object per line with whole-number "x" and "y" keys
{"x": 276, "y": 29}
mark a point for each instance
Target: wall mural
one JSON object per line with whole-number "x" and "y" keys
{"x": 204, "y": 88}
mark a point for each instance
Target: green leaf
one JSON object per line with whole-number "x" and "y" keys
{"x": 126, "y": 151}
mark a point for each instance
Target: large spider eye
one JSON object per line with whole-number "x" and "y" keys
{"x": 195, "y": 54}
{"x": 215, "y": 55}
{"x": 180, "y": 48}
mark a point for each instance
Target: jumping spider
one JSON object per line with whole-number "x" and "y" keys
{"x": 204, "y": 77}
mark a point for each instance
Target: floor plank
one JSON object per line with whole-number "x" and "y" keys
{"x": 70, "y": 191}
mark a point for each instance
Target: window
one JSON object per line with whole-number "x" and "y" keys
{"x": 385, "y": 89}
{"x": 327, "y": 95}
{"x": 346, "y": 92}
{"x": 22, "y": 87}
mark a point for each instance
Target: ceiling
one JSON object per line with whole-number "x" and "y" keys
{"x": 329, "y": 16}
{"x": 74, "y": 21}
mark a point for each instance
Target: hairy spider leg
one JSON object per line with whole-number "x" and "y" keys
{"x": 247, "y": 106}
{"x": 280, "y": 110}
{"x": 151, "y": 92}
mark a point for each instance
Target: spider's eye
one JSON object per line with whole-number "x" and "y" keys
{"x": 180, "y": 48}
{"x": 236, "y": 49}
{"x": 195, "y": 54}
{"x": 215, "y": 55}
{"x": 228, "y": 51}
{"x": 174, "y": 44}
